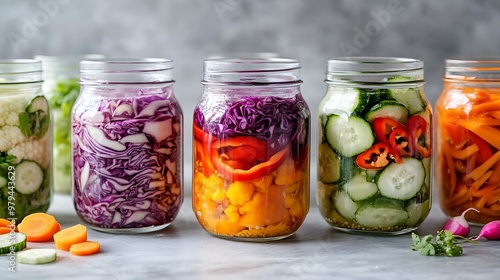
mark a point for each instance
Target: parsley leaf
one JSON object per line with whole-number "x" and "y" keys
{"x": 445, "y": 244}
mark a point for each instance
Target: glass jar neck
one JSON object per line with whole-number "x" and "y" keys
{"x": 143, "y": 72}
{"x": 20, "y": 71}
{"x": 375, "y": 72}
{"x": 240, "y": 72}
{"x": 473, "y": 72}
{"x": 56, "y": 67}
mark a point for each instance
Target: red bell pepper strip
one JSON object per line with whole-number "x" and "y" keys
{"x": 203, "y": 155}
{"x": 484, "y": 148}
{"x": 400, "y": 140}
{"x": 262, "y": 169}
{"x": 247, "y": 148}
{"x": 383, "y": 127}
{"x": 377, "y": 157}
{"x": 202, "y": 135}
{"x": 421, "y": 136}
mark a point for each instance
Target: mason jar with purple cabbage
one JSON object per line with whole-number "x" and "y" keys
{"x": 127, "y": 145}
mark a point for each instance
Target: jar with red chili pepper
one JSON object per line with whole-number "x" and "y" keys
{"x": 468, "y": 139}
{"x": 375, "y": 143}
{"x": 251, "y": 133}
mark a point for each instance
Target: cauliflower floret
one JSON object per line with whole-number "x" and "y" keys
{"x": 10, "y": 136}
{"x": 11, "y": 107}
{"x": 36, "y": 150}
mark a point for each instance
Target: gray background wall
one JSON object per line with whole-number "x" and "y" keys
{"x": 313, "y": 31}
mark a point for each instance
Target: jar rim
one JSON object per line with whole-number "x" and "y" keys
{"x": 126, "y": 71}
{"x": 472, "y": 69}
{"x": 374, "y": 70}
{"x": 70, "y": 62}
{"x": 251, "y": 70}
{"x": 14, "y": 71}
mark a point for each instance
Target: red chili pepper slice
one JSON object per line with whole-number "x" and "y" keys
{"x": 229, "y": 169}
{"x": 377, "y": 157}
{"x": 383, "y": 127}
{"x": 421, "y": 136}
{"x": 400, "y": 140}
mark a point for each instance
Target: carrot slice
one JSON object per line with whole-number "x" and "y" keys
{"x": 69, "y": 236}
{"x": 4, "y": 222}
{"x": 483, "y": 168}
{"x": 39, "y": 227}
{"x": 85, "y": 248}
{"x": 4, "y": 230}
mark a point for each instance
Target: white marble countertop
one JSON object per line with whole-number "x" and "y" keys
{"x": 316, "y": 251}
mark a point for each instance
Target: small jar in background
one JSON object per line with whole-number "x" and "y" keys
{"x": 468, "y": 139}
{"x": 25, "y": 140}
{"x": 375, "y": 143}
{"x": 60, "y": 86}
{"x": 251, "y": 132}
{"x": 127, "y": 145}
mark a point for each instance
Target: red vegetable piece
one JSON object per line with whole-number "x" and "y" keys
{"x": 421, "y": 136}
{"x": 400, "y": 140}
{"x": 383, "y": 127}
{"x": 226, "y": 169}
{"x": 378, "y": 157}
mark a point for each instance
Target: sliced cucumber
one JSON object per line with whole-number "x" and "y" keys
{"x": 388, "y": 109}
{"x": 345, "y": 206}
{"x": 37, "y": 256}
{"x": 38, "y": 103}
{"x": 348, "y": 135}
{"x": 380, "y": 213}
{"x": 347, "y": 100}
{"x": 328, "y": 166}
{"x": 415, "y": 211}
{"x": 12, "y": 242}
{"x": 401, "y": 180}
{"x": 359, "y": 189}
{"x": 29, "y": 177}
{"x": 411, "y": 98}
{"x": 370, "y": 175}
{"x": 3, "y": 182}
{"x": 399, "y": 79}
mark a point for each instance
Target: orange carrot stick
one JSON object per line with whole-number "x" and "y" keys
{"x": 485, "y": 107}
{"x": 483, "y": 191}
{"x": 486, "y": 120}
{"x": 4, "y": 230}
{"x": 483, "y": 168}
{"x": 451, "y": 170}
{"x": 69, "y": 236}
{"x": 479, "y": 182}
{"x": 85, "y": 248}
{"x": 39, "y": 227}
{"x": 466, "y": 152}
{"x": 495, "y": 114}
{"x": 4, "y": 222}
{"x": 488, "y": 133}
{"x": 493, "y": 197}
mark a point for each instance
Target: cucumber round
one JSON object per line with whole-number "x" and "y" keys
{"x": 388, "y": 109}
{"x": 3, "y": 182}
{"x": 358, "y": 188}
{"x": 328, "y": 166}
{"x": 380, "y": 213}
{"x": 344, "y": 205}
{"x": 348, "y": 135}
{"x": 29, "y": 177}
{"x": 401, "y": 180}
{"x": 39, "y": 103}
{"x": 415, "y": 211}
{"x": 347, "y": 100}
{"x": 6, "y": 242}
{"x": 37, "y": 256}
{"x": 410, "y": 97}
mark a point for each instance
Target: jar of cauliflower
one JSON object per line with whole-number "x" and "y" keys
{"x": 25, "y": 140}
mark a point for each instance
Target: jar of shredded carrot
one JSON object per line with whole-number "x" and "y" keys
{"x": 467, "y": 168}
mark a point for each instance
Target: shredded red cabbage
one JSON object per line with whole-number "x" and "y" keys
{"x": 127, "y": 161}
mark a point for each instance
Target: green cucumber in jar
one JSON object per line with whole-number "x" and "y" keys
{"x": 381, "y": 213}
{"x": 415, "y": 211}
{"x": 410, "y": 97}
{"x": 401, "y": 180}
{"x": 39, "y": 103}
{"x": 358, "y": 188}
{"x": 344, "y": 205}
{"x": 3, "y": 182}
{"x": 388, "y": 109}
{"x": 348, "y": 135}
{"x": 29, "y": 177}
{"x": 328, "y": 164}
{"x": 346, "y": 100}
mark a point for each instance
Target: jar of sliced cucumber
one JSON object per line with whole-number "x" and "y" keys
{"x": 25, "y": 146}
{"x": 375, "y": 143}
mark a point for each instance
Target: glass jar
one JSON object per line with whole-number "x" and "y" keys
{"x": 251, "y": 132}
{"x": 60, "y": 86}
{"x": 126, "y": 132}
{"x": 25, "y": 140}
{"x": 467, "y": 140}
{"x": 375, "y": 140}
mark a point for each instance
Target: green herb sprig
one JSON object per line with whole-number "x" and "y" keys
{"x": 445, "y": 244}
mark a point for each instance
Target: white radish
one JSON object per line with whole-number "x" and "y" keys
{"x": 458, "y": 225}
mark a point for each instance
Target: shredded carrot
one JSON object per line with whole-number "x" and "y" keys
{"x": 495, "y": 114}
{"x": 4, "y": 230}
{"x": 85, "y": 248}
{"x": 488, "y": 133}
{"x": 495, "y": 177}
{"x": 485, "y": 107}
{"x": 452, "y": 173}
{"x": 479, "y": 193}
{"x": 495, "y": 207}
{"x": 486, "y": 120}
{"x": 466, "y": 152}
{"x": 483, "y": 168}
{"x": 493, "y": 197}
{"x": 39, "y": 227}
{"x": 69, "y": 236}
{"x": 479, "y": 182}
